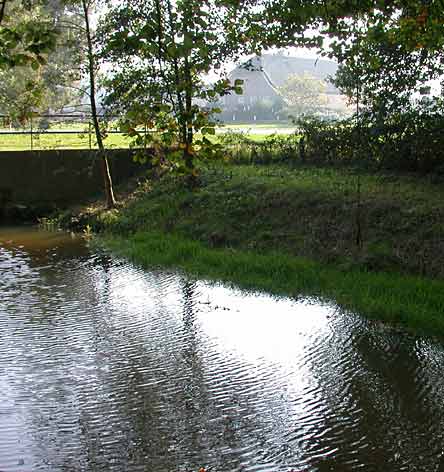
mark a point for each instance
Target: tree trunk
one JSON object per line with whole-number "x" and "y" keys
{"x": 2, "y": 10}
{"x": 106, "y": 174}
{"x": 188, "y": 154}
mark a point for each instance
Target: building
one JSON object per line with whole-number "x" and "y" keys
{"x": 263, "y": 75}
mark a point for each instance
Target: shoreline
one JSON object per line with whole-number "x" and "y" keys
{"x": 414, "y": 303}
{"x": 291, "y": 231}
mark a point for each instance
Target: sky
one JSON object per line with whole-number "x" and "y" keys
{"x": 293, "y": 51}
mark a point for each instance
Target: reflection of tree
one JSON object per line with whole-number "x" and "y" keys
{"x": 171, "y": 418}
{"x": 140, "y": 383}
{"x": 44, "y": 348}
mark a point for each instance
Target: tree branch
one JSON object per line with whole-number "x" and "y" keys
{"x": 69, "y": 24}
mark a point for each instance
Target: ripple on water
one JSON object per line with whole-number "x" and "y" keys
{"x": 107, "y": 367}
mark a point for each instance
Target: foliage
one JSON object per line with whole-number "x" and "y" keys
{"x": 241, "y": 148}
{"x": 160, "y": 51}
{"x": 417, "y": 24}
{"x": 44, "y": 83}
{"x": 24, "y": 40}
{"x": 387, "y": 49}
{"x": 329, "y": 141}
{"x": 408, "y": 140}
{"x": 379, "y": 69}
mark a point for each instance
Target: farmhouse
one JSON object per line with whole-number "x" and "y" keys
{"x": 263, "y": 75}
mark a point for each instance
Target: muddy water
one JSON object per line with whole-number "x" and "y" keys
{"x": 105, "y": 367}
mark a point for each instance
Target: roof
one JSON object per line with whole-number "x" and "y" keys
{"x": 276, "y": 68}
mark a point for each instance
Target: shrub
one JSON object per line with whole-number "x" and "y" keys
{"x": 411, "y": 140}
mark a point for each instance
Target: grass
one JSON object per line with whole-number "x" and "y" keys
{"x": 58, "y": 141}
{"x": 81, "y": 140}
{"x": 267, "y": 125}
{"x": 309, "y": 212}
{"x": 293, "y": 230}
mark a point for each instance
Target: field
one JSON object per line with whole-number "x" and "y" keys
{"x": 70, "y": 137}
{"x": 79, "y": 136}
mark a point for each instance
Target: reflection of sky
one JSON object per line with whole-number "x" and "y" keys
{"x": 104, "y": 366}
{"x": 258, "y": 346}
{"x": 260, "y": 326}
{"x": 15, "y": 450}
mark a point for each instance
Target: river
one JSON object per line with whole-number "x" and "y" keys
{"x": 107, "y": 367}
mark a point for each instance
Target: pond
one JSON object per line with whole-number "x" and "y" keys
{"x": 107, "y": 367}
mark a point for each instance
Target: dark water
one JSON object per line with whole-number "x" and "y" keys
{"x": 105, "y": 367}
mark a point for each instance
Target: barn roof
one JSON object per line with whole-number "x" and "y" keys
{"x": 276, "y": 68}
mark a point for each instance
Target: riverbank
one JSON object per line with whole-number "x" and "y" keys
{"x": 374, "y": 243}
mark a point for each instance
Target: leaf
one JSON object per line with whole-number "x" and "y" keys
{"x": 35, "y": 65}
{"x": 172, "y": 51}
{"x": 188, "y": 43}
{"x": 208, "y": 130}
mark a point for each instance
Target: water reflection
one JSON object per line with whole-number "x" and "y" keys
{"x": 106, "y": 367}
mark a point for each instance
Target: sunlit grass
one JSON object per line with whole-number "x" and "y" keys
{"x": 269, "y": 125}
{"x": 85, "y": 139}
{"x": 81, "y": 140}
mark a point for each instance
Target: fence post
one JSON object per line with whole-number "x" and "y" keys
{"x": 89, "y": 135}
{"x": 32, "y": 138}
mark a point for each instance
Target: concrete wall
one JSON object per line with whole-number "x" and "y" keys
{"x": 58, "y": 177}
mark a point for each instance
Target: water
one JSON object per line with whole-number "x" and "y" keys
{"x": 105, "y": 367}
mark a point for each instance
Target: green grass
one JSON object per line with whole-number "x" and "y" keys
{"x": 58, "y": 141}
{"x": 292, "y": 230}
{"x": 81, "y": 140}
{"x": 309, "y": 212}
{"x": 268, "y": 125}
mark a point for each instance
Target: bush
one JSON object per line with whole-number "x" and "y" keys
{"x": 274, "y": 148}
{"x": 411, "y": 140}
{"x": 328, "y": 141}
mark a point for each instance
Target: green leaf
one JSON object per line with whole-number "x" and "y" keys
{"x": 35, "y": 65}
{"x": 208, "y": 130}
{"x": 188, "y": 43}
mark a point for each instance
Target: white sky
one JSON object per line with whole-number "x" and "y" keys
{"x": 308, "y": 53}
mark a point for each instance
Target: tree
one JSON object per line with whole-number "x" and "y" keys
{"x": 382, "y": 64}
{"x": 389, "y": 47}
{"x": 160, "y": 51}
{"x": 25, "y": 89}
{"x": 304, "y": 94}
{"x": 91, "y": 69}
{"x": 24, "y": 40}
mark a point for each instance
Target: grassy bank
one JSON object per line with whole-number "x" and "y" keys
{"x": 294, "y": 230}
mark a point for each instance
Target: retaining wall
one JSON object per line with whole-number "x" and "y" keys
{"x": 57, "y": 178}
